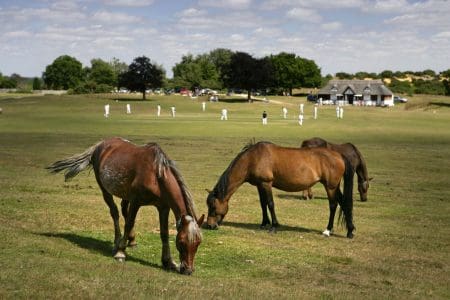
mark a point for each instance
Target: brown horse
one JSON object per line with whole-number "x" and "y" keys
{"x": 266, "y": 165}
{"x": 352, "y": 154}
{"x": 141, "y": 176}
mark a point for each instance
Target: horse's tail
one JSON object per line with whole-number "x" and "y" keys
{"x": 346, "y": 201}
{"x": 74, "y": 164}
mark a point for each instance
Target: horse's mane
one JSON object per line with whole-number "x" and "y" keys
{"x": 222, "y": 184}
{"x": 362, "y": 162}
{"x": 162, "y": 162}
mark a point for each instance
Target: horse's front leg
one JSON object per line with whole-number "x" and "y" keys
{"x": 132, "y": 236}
{"x": 267, "y": 188}
{"x": 263, "y": 202}
{"x": 166, "y": 257}
{"x": 332, "y": 201}
{"x": 129, "y": 225}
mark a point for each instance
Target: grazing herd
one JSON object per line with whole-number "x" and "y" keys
{"x": 145, "y": 175}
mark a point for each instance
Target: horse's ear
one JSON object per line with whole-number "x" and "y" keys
{"x": 209, "y": 191}
{"x": 200, "y": 221}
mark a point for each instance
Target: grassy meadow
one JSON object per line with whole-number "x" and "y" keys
{"x": 57, "y": 236}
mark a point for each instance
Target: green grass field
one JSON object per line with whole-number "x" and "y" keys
{"x": 57, "y": 236}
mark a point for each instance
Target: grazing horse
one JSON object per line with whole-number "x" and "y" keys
{"x": 141, "y": 176}
{"x": 352, "y": 154}
{"x": 266, "y": 165}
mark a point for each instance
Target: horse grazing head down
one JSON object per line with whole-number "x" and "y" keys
{"x": 363, "y": 187}
{"x": 188, "y": 239}
{"x": 217, "y": 210}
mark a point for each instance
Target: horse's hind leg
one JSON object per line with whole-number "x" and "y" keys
{"x": 263, "y": 202}
{"x": 115, "y": 216}
{"x": 132, "y": 236}
{"x": 129, "y": 225}
{"x": 332, "y": 201}
{"x": 307, "y": 194}
{"x": 166, "y": 257}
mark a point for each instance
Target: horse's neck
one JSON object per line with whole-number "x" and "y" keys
{"x": 237, "y": 175}
{"x": 361, "y": 170}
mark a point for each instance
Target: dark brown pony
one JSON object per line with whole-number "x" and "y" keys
{"x": 141, "y": 176}
{"x": 352, "y": 154}
{"x": 266, "y": 165}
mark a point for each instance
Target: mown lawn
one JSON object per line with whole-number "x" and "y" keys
{"x": 58, "y": 235}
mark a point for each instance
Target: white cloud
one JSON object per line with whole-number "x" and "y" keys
{"x": 304, "y": 14}
{"x": 18, "y": 34}
{"x": 192, "y": 13}
{"x": 129, "y": 3}
{"x": 114, "y": 18}
{"x": 331, "y": 26}
{"x": 231, "y": 4}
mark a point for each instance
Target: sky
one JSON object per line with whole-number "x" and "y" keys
{"x": 339, "y": 35}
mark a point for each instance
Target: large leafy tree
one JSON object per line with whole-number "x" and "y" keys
{"x": 65, "y": 72}
{"x": 101, "y": 72}
{"x": 118, "y": 67}
{"x": 142, "y": 74}
{"x": 196, "y": 72}
{"x": 292, "y": 71}
{"x": 247, "y": 72}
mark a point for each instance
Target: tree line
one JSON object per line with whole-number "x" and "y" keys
{"x": 218, "y": 69}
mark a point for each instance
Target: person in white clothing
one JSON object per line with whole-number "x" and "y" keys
{"x": 173, "y": 111}
{"x": 264, "y": 118}
{"x": 224, "y": 115}
{"x": 106, "y": 111}
{"x": 158, "y": 110}
{"x": 300, "y": 119}
{"x": 285, "y": 111}
{"x": 128, "y": 109}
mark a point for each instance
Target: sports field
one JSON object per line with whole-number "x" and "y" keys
{"x": 57, "y": 236}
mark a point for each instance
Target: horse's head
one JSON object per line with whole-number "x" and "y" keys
{"x": 363, "y": 187}
{"x": 189, "y": 238}
{"x": 217, "y": 209}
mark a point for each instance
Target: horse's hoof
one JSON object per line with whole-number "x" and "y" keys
{"x": 350, "y": 235}
{"x": 327, "y": 232}
{"x": 132, "y": 245}
{"x": 120, "y": 256}
{"x": 273, "y": 230}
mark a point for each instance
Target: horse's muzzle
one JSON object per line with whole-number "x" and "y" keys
{"x": 185, "y": 270}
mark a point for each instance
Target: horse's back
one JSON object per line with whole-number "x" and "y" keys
{"x": 294, "y": 169}
{"x": 121, "y": 166}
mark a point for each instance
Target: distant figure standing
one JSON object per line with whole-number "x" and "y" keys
{"x": 337, "y": 111}
{"x": 300, "y": 119}
{"x": 315, "y": 112}
{"x": 341, "y": 112}
{"x": 224, "y": 115}
{"x": 264, "y": 118}
{"x": 173, "y": 111}
{"x": 285, "y": 111}
{"x": 158, "y": 110}
{"x": 106, "y": 111}
{"x": 203, "y": 106}
{"x": 128, "y": 109}
{"x": 301, "y": 108}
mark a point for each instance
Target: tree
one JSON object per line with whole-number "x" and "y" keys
{"x": 446, "y": 74}
{"x": 292, "y": 71}
{"x": 141, "y": 75}
{"x": 343, "y": 75}
{"x": 102, "y": 72}
{"x": 37, "y": 84}
{"x": 65, "y": 72}
{"x": 248, "y": 73}
{"x": 387, "y": 74}
{"x": 402, "y": 87}
{"x": 197, "y": 72}
{"x": 118, "y": 67}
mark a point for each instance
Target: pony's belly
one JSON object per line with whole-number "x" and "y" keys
{"x": 289, "y": 185}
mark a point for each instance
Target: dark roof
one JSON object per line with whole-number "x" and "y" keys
{"x": 376, "y": 87}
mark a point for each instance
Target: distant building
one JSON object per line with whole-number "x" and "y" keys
{"x": 356, "y": 92}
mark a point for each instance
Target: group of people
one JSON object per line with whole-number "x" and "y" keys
{"x": 224, "y": 112}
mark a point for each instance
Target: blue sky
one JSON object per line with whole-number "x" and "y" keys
{"x": 340, "y": 35}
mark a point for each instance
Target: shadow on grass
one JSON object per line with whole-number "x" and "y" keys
{"x": 280, "y": 228}
{"x": 94, "y": 245}
{"x": 442, "y": 104}
{"x": 298, "y": 197}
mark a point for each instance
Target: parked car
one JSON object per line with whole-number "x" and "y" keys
{"x": 400, "y": 99}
